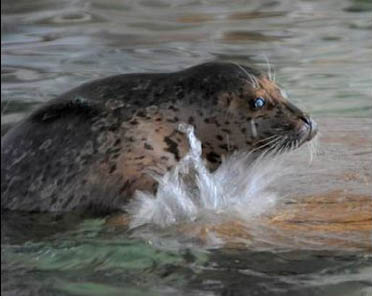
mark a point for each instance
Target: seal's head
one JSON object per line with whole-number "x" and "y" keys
{"x": 272, "y": 121}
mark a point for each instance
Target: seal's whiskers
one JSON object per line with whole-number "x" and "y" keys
{"x": 271, "y": 143}
{"x": 313, "y": 147}
{"x": 268, "y": 138}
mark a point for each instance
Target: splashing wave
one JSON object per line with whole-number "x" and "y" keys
{"x": 240, "y": 187}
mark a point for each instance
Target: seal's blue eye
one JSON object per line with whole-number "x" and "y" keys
{"x": 258, "y": 103}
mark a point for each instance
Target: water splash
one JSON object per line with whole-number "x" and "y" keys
{"x": 241, "y": 187}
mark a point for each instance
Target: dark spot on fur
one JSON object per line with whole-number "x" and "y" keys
{"x": 114, "y": 127}
{"x": 115, "y": 156}
{"x": 219, "y": 137}
{"x": 117, "y": 142}
{"x": 171, "y": 107}
{"x": 172, "y": 147}
{"x": 224, "y": 147}
{"x": 134, "y": 122}
{"x": 141, "y": 114}
{"x": 191, "y": 120}
{"x": 148, "y": 146}
{"x": 127, "y": 184}
{"x": 113, "y": 150}
{"x": 154, "y": 186}
{"x": 112, "y": 168}
{"x": 139, "y": 158}
{"x": 180, "y": 94}
{"x": 213, "y": 157}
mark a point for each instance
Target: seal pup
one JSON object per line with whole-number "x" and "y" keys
{"x": 89, "y": 149}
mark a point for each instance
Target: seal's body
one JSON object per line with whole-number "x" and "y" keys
{"x": 91, "y": 148}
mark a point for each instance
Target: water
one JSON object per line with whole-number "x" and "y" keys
{"x": 190, "y": 192}
{"x": 321, "y": 53}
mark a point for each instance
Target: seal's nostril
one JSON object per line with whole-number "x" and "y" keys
{"x": 313, "y": 127}
{"x": 306, "y": 120}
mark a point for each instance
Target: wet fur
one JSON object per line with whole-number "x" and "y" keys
{"x": 91, "y": 148}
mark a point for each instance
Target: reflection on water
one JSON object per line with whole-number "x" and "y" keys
{"x": 321, "y": 52}
{"x": 88, "y": 258}
{"x": 48, "y": 48}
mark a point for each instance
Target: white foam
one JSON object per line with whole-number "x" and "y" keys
{"x": 241, "y": 187}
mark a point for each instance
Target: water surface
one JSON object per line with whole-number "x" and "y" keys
{"x": 322, "y": 55}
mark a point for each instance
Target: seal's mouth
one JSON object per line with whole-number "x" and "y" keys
{"x": 305, "y": 133}
{"x": 290, "y": 140}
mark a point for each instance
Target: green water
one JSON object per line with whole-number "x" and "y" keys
{"x": 322, "y": 55}
{"x": 65, "y": 256}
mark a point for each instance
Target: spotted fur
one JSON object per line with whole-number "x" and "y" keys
{"x": 91, "y": 148}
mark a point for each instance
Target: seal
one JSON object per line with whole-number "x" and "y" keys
{"x": 89, "y": 149}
